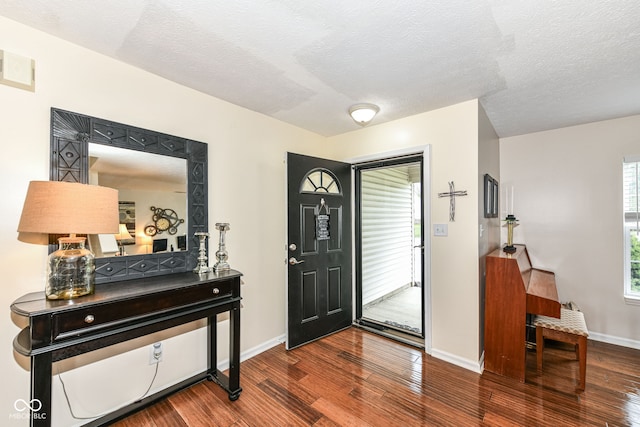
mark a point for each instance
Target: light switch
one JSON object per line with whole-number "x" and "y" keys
{"x": 440, "y": 229}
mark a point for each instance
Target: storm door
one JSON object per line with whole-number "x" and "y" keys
{"x": 390, "y": 246}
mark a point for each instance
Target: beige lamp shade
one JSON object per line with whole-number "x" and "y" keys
{"x": 123, "y": 233}
{"x": 56, "y": 207}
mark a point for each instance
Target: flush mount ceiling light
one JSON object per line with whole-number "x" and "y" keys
{"x": 362, "y": 114}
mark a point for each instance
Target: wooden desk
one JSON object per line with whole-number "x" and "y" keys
{"x": 513, "y": 289}
{"x": 122, "y": 311}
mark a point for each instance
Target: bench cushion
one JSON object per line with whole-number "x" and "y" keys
{"x": 570, "y": 321}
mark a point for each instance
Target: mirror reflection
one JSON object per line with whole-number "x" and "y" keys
{"x": 152, "y": 198}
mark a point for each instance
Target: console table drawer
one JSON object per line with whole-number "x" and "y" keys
{"x": 74, "y": 323}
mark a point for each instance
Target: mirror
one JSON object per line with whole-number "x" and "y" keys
{"x": 92, "y": 150}
{"x": 151, "y": 188}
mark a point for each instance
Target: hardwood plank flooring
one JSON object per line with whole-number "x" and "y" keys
{"x": 356, "y": 378}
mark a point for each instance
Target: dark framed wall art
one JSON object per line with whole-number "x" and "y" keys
{"x": 491, "y": 193}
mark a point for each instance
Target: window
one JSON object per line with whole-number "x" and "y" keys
{"x": 320, "y": 181}
{"x": 631, "y": 208}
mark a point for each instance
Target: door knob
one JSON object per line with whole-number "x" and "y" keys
{"x": 292, "y": 247}
{"x": 294, "y": 261}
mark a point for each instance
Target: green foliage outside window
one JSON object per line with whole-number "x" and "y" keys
{"x": 635, "y": 263}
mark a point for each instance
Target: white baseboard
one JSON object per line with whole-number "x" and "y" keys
{"x": 474, "y": 366}
{"x": 248, "y": 354}
{"x": 610, "y": 339}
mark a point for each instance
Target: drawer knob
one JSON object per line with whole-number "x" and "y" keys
{"x": 89, "y": 318}
{"x": 216, "y": 291}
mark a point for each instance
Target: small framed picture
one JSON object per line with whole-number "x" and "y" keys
{"x": 491, "y": 193}
{"x": 496, "y": 205}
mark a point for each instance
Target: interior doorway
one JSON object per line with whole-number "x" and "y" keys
{"x": 390, "y": 291}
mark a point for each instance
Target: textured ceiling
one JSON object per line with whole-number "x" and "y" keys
{"x": 534, "y": 65}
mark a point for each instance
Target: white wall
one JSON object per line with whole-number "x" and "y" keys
{"x": 246, "y": 182}
{"x": 452, "y": 133}
{"x": 489, "y": 235}
{"x": 568, "y": 198}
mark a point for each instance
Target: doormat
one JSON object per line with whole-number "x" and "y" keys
{"x": 403, "y": 327}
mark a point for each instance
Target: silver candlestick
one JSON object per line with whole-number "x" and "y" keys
{"x": 202, "y": 266}
{"x": 221, "y": 253}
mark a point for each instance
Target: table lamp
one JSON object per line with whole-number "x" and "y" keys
{"x": 56, "y": 207}
{"x": 122, "y": 234}
{"x": 145, "y": 241}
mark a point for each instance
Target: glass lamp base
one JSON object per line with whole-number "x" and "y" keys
{"x": 70, "y": 270}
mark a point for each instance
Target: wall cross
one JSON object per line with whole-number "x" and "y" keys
{"x": 452, "y": 199}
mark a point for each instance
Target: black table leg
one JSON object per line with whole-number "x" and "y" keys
{"x": 212, "y": 346}
{"x": 234, "y": 353}
{"x": 40, "y": 403}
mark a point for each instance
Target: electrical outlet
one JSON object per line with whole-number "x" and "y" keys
{"x": 155, "y": 353}
{"x": 440, "y": 230}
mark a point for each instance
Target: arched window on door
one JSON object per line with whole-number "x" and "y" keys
{"x": 320, "y": 181}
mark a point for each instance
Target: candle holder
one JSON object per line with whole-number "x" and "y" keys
{"x": 221, "y": 253}
{"x": 202, "y": 266}
{"x": 511, "y": 222}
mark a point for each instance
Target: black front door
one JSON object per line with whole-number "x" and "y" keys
{"x": 319, "y": 293}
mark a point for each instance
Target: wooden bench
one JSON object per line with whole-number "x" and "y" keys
{"x": 569, "y": 328}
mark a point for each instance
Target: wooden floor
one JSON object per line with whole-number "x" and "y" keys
{"x": 356, "y": 378}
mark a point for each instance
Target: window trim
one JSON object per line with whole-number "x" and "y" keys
{"x": 632, "y": 298}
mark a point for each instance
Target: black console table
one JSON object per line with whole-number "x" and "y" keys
{"x": 121, "y": 311}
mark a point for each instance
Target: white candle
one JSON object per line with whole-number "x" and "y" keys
{"x": 511, "y": 200}
{"x": 506, "y": 201}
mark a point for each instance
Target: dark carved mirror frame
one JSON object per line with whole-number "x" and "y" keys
{"x": 71, "y": 134}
